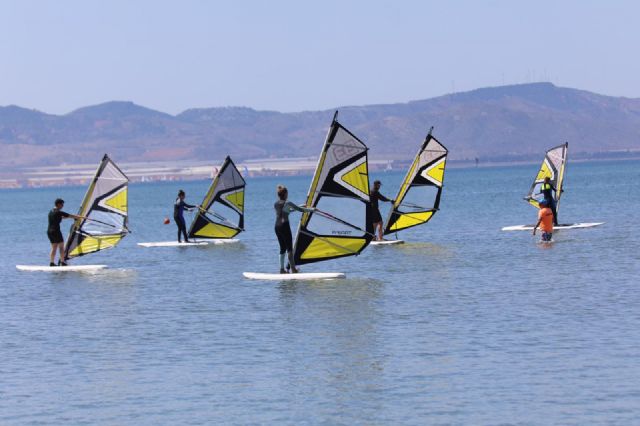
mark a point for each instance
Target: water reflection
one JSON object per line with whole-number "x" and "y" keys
{"x": 335, "y": 325}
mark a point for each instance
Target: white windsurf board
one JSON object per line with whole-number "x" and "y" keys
{"x": 224, "y": 241}
{"x": 386, "y": 242}
{"x": 555, "y": 228}
{"x": 298, "y": 276}
{"x": 191, "y": 243}
{"x": 173, "y": 244}
{"x": 68, "y": 268}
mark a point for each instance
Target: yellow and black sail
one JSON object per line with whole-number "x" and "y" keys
{"x": 339, "y": 225}
{"x": 418, "y": 198}
{"x": 104, "y": 212}
{"x": 221, "y": 213}
{"x": 553, "y": 166}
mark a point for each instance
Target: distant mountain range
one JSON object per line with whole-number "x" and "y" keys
{"x": 518, "y": 121}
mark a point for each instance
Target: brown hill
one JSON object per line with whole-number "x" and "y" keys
{"x": 499, "y": 122}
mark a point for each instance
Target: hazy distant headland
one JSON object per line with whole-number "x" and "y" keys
{"x": 497, "y": 124}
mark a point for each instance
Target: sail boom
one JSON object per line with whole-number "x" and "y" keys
{"x": 329, "y": 241}
{"x": 223, "y": 222}
{"x": 331, "y": 194}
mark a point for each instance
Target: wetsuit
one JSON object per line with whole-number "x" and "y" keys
{"x": 546, "y": 190}
{"x": 178, "y": 211}
{"x": 283, "y": 229}
{"x": 375, "y": 196}
{"x": 53, "y": 230}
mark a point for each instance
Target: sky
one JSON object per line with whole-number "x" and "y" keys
{"x": 294, "y": 55}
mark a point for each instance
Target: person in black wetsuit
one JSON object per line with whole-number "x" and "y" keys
{"x": 282, "y": 227}
{"x": 178, "y": 210}
{"x": 546, "y": 190}
{"x": 376, "y": 217}
{"x": 53, "y": 231}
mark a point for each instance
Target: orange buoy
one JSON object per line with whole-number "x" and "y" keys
{"x": 166, "y": 221}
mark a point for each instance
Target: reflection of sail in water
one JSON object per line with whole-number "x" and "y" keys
{"x": 418, "y": 198}
{"x": 553, "y": 167}
{"x": 104, "y": 210}
{"x": 221, "y": 214}
{"x": 338, "y": 341}
{"x": 339, "y": 192}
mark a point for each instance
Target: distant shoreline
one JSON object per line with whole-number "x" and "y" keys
{"x": 79, "y": 175}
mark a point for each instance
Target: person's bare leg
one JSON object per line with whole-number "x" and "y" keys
{"x": 61, "y": 246}
{"x": 52, "y": 254}
{"x": 294, "y": 270}
{"x": 378, "y": 227}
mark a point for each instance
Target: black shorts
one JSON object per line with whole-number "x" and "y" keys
{"x": 55, "y": 237}
{"x": 375, "y": 216}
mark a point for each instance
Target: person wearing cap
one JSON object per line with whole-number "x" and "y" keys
{"x": 547, "y": 190}
{"x": 54, "y": 234}
{"x": 375, "y": 196}
{"x": 178, "y": 215}
{"x": 545, "y": 221}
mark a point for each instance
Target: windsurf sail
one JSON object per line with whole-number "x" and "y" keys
{"x": 339, "y": 192}
{"x": 104, "y": 212}
{"x": 221, "y": 214}
{"x": 419, "y": 195}
{"x": 553, "y": 166}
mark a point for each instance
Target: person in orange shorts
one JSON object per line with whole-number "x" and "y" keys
{"x": 545, "y": 221}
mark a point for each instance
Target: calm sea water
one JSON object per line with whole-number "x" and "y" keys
{"x": 464, "y": 324}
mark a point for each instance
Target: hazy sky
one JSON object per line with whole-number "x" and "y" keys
{"x": 296, "y": 55}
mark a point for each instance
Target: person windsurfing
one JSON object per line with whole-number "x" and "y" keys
{"x": 546, "y": 190}
{"x": 178, "y": 215}
{"x": 53, "y": 231}
{"x": 282, "y": 227}
{"x": 376, "y": 217}
{"x": 545, "y": 221}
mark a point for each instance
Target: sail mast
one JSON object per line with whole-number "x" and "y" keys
{"x": 561, "y": 175}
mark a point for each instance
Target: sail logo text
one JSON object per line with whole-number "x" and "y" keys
{"x": 341, "y": 232}
{"x": 346, "y": 150}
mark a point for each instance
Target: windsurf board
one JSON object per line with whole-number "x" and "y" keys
{"x": 386, "y": 242}
{"x": 298, "y": 276}
{"x": 68, "y": 268}
{"x": 555, "y": 228}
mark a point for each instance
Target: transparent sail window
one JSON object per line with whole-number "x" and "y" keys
{"x": 348, "y": 210}
{"x": 419, "y": 198}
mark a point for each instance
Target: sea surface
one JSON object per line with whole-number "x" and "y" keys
{"x": 463, "y": 324}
